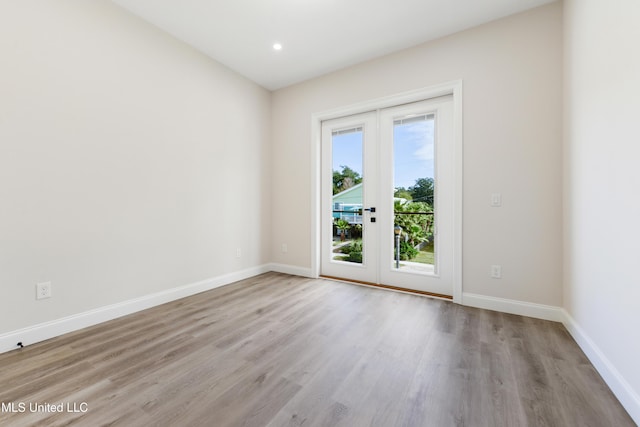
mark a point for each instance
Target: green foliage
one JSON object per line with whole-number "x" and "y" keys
{"x": 353, "y": 251}
{"x": 426, "y": 255}
{"x": 355, "y": 257}
{"x": 422, "y": 191}
{"x": 402, "y": 193}
{"x": 342, "y": 224}
{"x": 407, "y": 251}
{"x": 345, "y": 179}
{"x": 355, "y": 246}
{"x": 416, "y": 229}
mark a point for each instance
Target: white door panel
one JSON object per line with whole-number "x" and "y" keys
{"x": 426, "y": 130}
{"x": 349, "y": 142}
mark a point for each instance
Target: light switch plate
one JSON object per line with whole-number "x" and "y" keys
{"x": 496, "y": 200}
{"x": 496, "y": 271}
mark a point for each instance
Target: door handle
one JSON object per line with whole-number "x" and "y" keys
{"x": 372, "y": 210}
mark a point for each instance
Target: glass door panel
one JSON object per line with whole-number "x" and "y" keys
{"x": 416, "y": 206}
{"x": 346, "y": 201}
{"x": 413, "y": 199}
{"x": 349, "y": 239}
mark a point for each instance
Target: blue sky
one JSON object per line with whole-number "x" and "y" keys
{"x": 413, "y": 152}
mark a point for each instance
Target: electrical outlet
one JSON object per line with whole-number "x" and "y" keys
{"x": 43, "y": 290}
{"x": 496, "y": 271}
{"x": 285, "y": 249}
{"x": 238, "y": 252}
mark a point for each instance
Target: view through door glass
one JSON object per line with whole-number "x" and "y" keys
{"x": 347, "y": 201}
{"x": 413, "y": 198}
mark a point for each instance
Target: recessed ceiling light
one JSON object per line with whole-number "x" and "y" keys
{"x": 277, "y": 46}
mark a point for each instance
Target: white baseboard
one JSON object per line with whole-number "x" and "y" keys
{"x": 54, "y": 328}
{"x": 627, "y": 396}
{"x": 291, "y": 269}
{"x": 538, "y": 311}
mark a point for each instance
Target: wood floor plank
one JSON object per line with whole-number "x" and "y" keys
{"x": 278, "y": 350}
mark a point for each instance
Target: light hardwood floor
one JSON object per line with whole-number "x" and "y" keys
{"x": 277, "y": 350}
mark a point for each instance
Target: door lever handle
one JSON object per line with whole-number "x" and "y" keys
{"x": 372, "y": 210}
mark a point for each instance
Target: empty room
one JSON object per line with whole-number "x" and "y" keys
{"x": 319, "y": 213}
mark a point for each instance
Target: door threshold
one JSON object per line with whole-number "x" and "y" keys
{"x": 390, "y": 288}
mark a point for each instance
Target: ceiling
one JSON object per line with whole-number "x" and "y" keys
{"x": 318, "y": 36}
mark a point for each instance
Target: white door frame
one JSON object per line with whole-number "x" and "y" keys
{"x": 451, "y": 88}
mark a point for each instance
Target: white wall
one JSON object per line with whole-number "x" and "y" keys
{"x": 129, "y": 162}
{"x": 602, "y": 179}
{"x": 512, "y": 75}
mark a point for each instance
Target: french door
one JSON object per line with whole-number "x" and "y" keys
{"x": 387, "y": 196}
